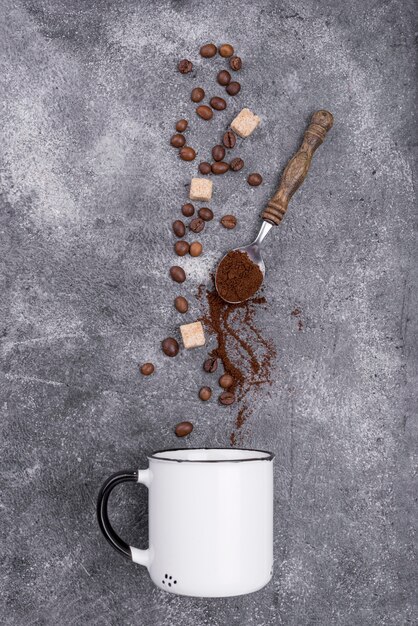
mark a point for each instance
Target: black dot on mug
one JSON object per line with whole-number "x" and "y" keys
{"x": 170, "y": 577}
{"x": 163, "y": 582}
{"x": 175, "y": 582}
{"x": 166, "y": 576}
{"x": 169, "y": 584}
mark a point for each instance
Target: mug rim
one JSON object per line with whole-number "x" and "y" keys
{"x": 270, "y": 455}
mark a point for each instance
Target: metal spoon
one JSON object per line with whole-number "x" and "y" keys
{"x": 292, "y": 178}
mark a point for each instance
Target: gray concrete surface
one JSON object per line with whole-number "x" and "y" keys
{"x": 89, "y": 188}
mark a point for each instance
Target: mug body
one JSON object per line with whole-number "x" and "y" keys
{"x": 211, "y": 521}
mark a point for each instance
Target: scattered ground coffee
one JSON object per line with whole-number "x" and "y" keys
{"x": 245, "y": 354}
{"x": 237, "y": 277}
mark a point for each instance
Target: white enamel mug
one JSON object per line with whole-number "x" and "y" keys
{"x": 210, "y": 520}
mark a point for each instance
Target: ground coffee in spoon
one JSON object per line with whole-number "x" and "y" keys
{"x": 237, "y": 277}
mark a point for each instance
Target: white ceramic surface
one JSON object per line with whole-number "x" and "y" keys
{"x": 210, "y": 521}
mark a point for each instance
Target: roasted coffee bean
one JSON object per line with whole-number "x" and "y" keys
{"x": 229, "y": 139}
{"x": 179, "y": 228}
{"x": 218, "y": 152}
{"x": 177, "y": 274}
{"x": 208, "y": 50}
{"x": 254, "y": 179}
{"x": 224, "y": 78}
{"x": 147, "y": 369}
{"x": 177, "y": 140}
{"x": 183, "y": 429}
{"x": 197, "y": 94}
{"x": 204, "y": 167}
{"x": 187, "y": 154}
{"x": 204, "y": 112}
{"x": 226, "y": 381}
{"x": 181, "y": 248}
{"x": 226, "y": 50}
{"x": 197, "y": 225}
{"x": 185, "y": 66}
{"x": 187, "y": 209}
{"x": 219, "y": 104}
{"x": 181, "y": 126}
{"x": 233, "y": 88}
{"x": 235, "y": 63}
{"x": 181, "y": 304}
{"x": 205, "y": 393}
{"x": 219, "y": 167}
{"x": 236, "y": 164}
{"x": 205, "y": 213}
{"x": 229, "y": 221}
{"x": 170, "y": 346}
{"x": 195, "y": 248}
{"x": 226, "y": 398}
{"x": 210, "y": 365}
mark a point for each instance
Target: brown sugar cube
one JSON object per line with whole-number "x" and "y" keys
{"x": 201, "y": 189}
{"x": 193, "y": 335}
{"x": 245, "y": 123}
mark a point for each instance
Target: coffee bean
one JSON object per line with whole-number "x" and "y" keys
{"x": 229, "y": 221}
{"x": 219, "y": 104}
{"x": 181, "y": 248}
{"x": 208, "y": 50}
{"x": 204, "y": 167}
{"x": 219, "y": 167}
{"x": 224, "y": 78}
{"x": 195, "y": 248}
{"x": 177, "y": 274}
{"x": 205, "y": 213}
{"x": 179, "y": 228}
{"x": 181, "y": 126}
{"x": 183, "y": 429}
{"x": 254, "y": 179}
{"x": 185, "y": 66}
{"x": 226, "y": 381}
{"x": 197, "y": 94}
{"x": 236, "y": 164}
{"x": 233, "y": 88}
{"x": 181, "y": 304}
{"x": 235, "y": 63}
{"x": 218, "y": 152}
{"x": 210, "y": 365}
{"x": 226, "y": 50}
{"x": 229, "y": 139}
{"x": 187, "y": 154}
{"x": 187, "y": 209}
{"x": 205, "y": 393}
{"x": 226, "y": 398}
{"x": 197, "y": 225}
{"x": 147, "y": 369}
{"x": 204, "y": 112}
{"x": 177, "y": 140}
{"x": 170, "y": 346}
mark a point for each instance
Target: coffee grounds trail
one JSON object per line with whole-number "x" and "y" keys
{"x": 245, "y": 354}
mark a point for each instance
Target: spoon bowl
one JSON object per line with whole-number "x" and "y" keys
{"x": 253, "y": 250}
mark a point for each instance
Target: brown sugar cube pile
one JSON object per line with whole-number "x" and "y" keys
{"x": 201, "y": 189}
{"x": 245, "y": 123}
{"x": 193, "y": 335}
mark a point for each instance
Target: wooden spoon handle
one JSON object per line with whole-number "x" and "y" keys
{"x": 298, "y": 166}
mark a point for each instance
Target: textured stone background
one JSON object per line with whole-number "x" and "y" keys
{"x": 89, "y": 189}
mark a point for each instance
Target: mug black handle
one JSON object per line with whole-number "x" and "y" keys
{"x": 137, "y": 476}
